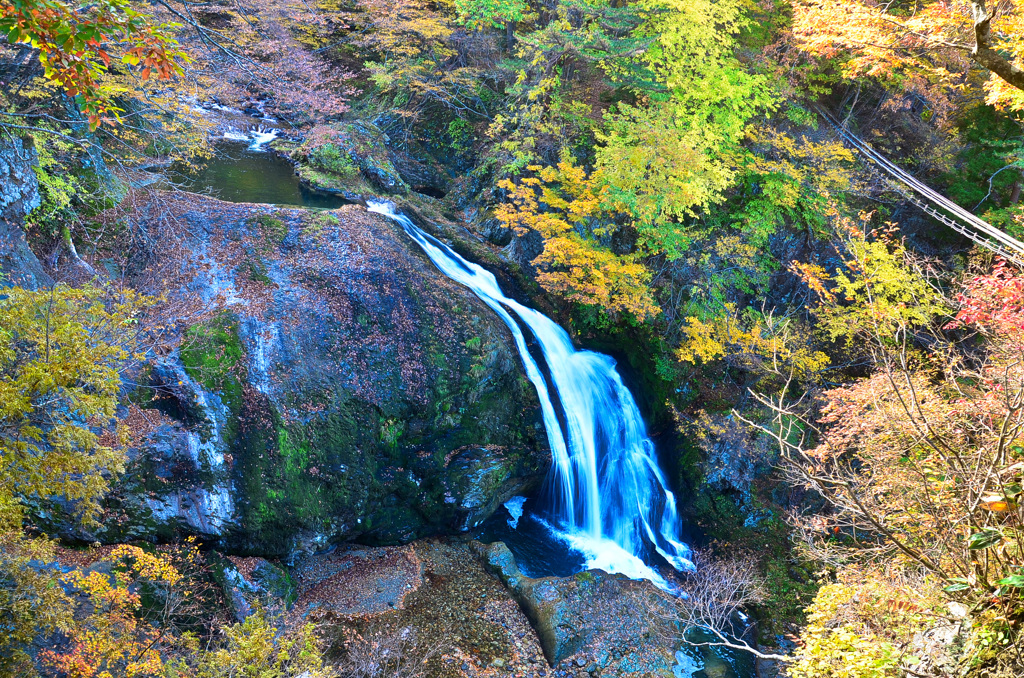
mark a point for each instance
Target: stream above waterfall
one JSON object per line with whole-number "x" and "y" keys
{"x": 240, "y": 173}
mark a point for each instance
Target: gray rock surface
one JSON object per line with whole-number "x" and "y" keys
{"x": 19, "y": 195}
{"x": 329, "y": 384}
{"x": 613, "y": 625}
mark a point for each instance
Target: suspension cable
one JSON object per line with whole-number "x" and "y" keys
{"x": 935, "y": 204}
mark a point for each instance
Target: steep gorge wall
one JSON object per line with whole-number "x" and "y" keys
{"x": 310, "y": 378}
{"x": 334, "y": 386}
{"x": 19, "y": 195}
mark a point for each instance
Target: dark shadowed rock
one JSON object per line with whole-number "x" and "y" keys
{"x": 495, "y": 232}
{"x": 421, "y": 172}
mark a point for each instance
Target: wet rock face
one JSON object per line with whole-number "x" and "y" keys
{"x": 19, "y": 195}
{"x": 606, "y": 624}
{"x": 330, "y": 385}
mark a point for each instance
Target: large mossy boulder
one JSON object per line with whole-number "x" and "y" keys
{"x": 348, "y": 158}
{"x": 330, "y": 384}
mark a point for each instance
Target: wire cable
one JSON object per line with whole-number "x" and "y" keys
{"x": 933, "y": 203}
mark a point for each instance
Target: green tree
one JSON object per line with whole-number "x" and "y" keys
{"x": 32, "y": 602}
{"x": 679, "y": 150}
{"x": 480, "y": 14}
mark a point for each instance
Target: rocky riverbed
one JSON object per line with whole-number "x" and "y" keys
{"x": 462, "y": 609}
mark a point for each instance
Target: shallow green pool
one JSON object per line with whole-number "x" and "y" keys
{"x": 238, "y": 174}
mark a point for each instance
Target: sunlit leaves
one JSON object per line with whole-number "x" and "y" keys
{"x": 760, "y": 343}
{"x": 76, "y": 43}
{"x": 659, "y": 169}
{"x": 256, "y": 648}
{"x": 563, "y": 204}
{"x": 859, "y": 627}
{"x": 881, "y": 291}
{"x": 678, "y": 151}
{"x": 935, "y": 41}
{"x": 61, "y": 356}
{"x": 790, "y": 179}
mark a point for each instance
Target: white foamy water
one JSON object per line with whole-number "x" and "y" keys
{"x": 515, "y": 509}
{"x": 261, "y": 137}
{"x": 613, "y": 504}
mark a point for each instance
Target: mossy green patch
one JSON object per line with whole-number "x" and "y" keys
{"x": 212, "y": 354}
{"x": 304, "y": 475}
{"x": 327, "y": 181}
{"x": 255, "y": 270}
{"x": 331, "y": 158}
{"x": 391, "y": 432}
{"x": 272, "y": 229}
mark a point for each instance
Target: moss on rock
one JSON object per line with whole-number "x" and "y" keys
{"x": 335, "y": 157}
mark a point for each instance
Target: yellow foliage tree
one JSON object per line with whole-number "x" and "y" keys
{"x": 936, "y": 39}
{"x": 113, "y": 638}
{"x": 881, "y": 289}
{"x": 255, "y": 648}
{"x": 563, "y": 204}
{"x": 61, "y": 355}
{"x": 760, "y": 343}
{"x": 863, "y": 625}
{"x": 658, "y": 169}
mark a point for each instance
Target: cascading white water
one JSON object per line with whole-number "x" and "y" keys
{"x": 262, "y": 136}
{"x": 613, "y": 503}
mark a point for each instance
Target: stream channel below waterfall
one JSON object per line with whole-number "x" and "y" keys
{"x": 606, "y": 504}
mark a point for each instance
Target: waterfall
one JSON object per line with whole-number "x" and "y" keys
{"x": 612, "y": 501}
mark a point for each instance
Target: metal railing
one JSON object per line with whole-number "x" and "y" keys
{"x": 935, "y": 204}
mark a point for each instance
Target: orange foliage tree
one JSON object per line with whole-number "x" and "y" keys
{"x": 77, "y": 43}
{"x": 116, "y": 636}
{"x": 922, "y": 460}
{"x": 936, "y": 39}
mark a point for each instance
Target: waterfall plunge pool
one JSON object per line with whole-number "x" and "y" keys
{"x": 608, "y": 496}
{"x": 555, "y": 540}
{"x": 241, "y": 174}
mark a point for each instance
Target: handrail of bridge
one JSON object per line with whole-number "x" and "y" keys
{"x": 935, "y": 204}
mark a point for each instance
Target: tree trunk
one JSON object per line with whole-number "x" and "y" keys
{"x": 983, "y": 53}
